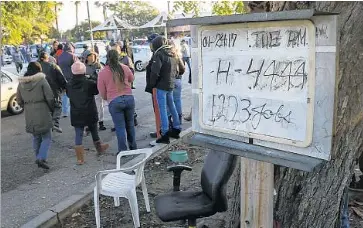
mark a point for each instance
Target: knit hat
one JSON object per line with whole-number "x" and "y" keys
{"x": 78, "y": 68}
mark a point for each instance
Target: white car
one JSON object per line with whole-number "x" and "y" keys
{"x": 78, "y": 48}
{"x": 142, "y": 55}
{"x": 9, "y": 85}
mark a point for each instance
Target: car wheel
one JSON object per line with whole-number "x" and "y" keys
{"x": 138, "y": 66}
{"x": 13, "y": 106}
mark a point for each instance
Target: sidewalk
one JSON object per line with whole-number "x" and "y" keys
{"x": 30, "y": 198}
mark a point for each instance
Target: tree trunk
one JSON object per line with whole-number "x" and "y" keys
{"x": 56, "y": 17}
{"x": 313, "y": 199}
{"x": 78, "y": 33}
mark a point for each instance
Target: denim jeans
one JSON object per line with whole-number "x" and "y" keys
{"x": 166, "y": 101}
{"x": 177, "y": 98}
{"x": 41, "y": 145}
{"x": 187, "y": 60}
{"x": 122, "y": 110}
{"x": 79, "y": 134}
{"x": 65, "y": 105}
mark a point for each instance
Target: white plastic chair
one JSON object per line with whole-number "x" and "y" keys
{"x": 116, "y": 183}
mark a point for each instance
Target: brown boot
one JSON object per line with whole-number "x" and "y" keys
{"x": 100, "y": 147}
{"x": 80, "y": 154}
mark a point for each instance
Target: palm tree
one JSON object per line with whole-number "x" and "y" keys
{"x": 104, "y": 6}
{"x": 57, "y": 7}
{"x": 77, "y": 4}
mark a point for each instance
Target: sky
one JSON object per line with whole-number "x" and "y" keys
{"x": 67, "y": 14}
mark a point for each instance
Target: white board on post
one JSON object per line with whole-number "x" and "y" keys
{"x": 257, "y": 80}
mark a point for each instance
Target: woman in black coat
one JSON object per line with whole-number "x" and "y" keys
{"x": 81, "y": 91}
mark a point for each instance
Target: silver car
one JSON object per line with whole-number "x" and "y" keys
{"x": 9, "y": 85}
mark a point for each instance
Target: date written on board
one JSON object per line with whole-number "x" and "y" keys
{"x": 230, "y": 108}
{"x": 220, "y": 40}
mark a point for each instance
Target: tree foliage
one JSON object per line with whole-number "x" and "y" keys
{"x": 72, "y": 34}
{"x": 228, "y": 7}
{"x": 26, "y": 21}
{"x": 135, "y": 13}
{"x": 187, "y": 7}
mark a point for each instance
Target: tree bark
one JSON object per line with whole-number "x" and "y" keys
{"x": 313, "y": 199}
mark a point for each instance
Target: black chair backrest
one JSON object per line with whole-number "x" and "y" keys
{"x": 218, "y": 168}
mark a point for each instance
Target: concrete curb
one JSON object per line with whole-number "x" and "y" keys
{"x": 56, "y": 214}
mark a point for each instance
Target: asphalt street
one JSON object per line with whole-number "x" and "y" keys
{"x": 28, "y": 190}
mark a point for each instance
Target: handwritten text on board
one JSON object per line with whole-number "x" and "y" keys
{"x": 256, "y": 81}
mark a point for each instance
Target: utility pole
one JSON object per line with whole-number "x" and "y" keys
{"x": 90, "y": 26}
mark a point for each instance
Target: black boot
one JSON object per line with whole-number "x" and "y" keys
{"x": 174, "y": 133}
{"x": 135, "y": 120}
{"x": 113, "y": 129}
{"x": 101, "y": 126}
{"x": 180, "y": 118}
{"x": 163, "y": 139}
{"x": 42, "y": 164}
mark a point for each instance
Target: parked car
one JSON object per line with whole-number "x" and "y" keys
{"x": 142, "y": 55}
{"x": 9, "y": 85}
{"x": 78, "y": 48}
{"x": 140, "y": 42}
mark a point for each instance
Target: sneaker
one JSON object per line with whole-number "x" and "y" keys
{"x": 57, "y": 129}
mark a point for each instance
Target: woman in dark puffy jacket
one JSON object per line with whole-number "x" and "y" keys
{"x": 81, "y": 91}
{"x": 164, "y": 68}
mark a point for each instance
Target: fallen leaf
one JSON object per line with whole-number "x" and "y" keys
{"x": 75, "y": 214}
{"x": 358, "y": 211}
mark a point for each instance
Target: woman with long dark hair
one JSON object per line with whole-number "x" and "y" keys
{"x": 114, "y": 85}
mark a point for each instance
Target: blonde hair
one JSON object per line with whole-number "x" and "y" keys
{"x": 176, "y": 47}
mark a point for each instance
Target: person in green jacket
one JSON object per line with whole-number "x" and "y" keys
{"x": 36, "y": 97}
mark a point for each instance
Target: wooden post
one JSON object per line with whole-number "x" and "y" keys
{"x": 257, "y": 188}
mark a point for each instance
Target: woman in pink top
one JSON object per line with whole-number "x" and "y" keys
{"x": 114, "y": 85}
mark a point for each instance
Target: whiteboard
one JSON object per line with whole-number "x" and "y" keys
{"x": 257, "y": 80}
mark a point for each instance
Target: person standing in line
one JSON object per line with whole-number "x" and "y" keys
{"x": 93, "y": 67}
{"x": 96, "y": 49}
{"x": 23, "y": 53}
{"x": 65, "y": 61}
{"x": 178, "y": 84}
{"x": 81, "y": 92}
{"x": 57, "y": 83}
{"x": 164, "y": 68}
{"x": 186, "y": 58}
{"x": 114, "y": 85}
{"x": 36, "y": 96}
{"x": 85, "y": 53}
{"x": 18, "y": 60}
{"x": 54, "y": 48}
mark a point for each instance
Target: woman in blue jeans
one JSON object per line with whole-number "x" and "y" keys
{"x": 177, "y": 91}
{"x": 164, "y": 68}
{"x": 36, "y": 96}
{"x": 114, "y": 85}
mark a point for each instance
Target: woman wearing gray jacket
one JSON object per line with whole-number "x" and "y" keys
{"x": 36, "y": 96}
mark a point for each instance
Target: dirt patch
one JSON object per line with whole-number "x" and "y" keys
{"x": 158, "y": 181}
